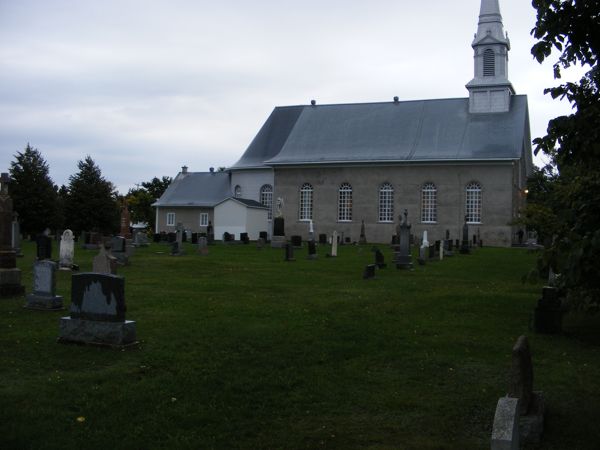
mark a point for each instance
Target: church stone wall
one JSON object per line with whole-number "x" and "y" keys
{"x": 498, "y": 193}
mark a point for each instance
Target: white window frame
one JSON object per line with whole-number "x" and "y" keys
{"x": 429, "y": 203}
{"x": 266, "y": 199}
{"x": 345, "y": 203}
{"x": 386, "y": 203}
{"x": 203, "y": 219}
{"x": 305, "y": 211}
{"x": 473, "y": 202}
{"x": 170, "y": 219}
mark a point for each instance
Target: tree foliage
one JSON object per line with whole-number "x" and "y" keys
{"x": 91, "y": 203}
{"x": 33, "y": 192}
{"x": 572, "y": 28}
{"x": 140, "y": 200}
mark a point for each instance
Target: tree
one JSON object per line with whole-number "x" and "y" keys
{"x": 92, "y": 202}
{"x": 572, "y": 27}
{"x": 33, "y": 192}
{"x": 140, "y": 200}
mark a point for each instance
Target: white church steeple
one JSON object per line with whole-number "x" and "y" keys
{"x": 490, "y": 89}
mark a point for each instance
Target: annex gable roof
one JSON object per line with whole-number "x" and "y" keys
{"x": 196, "y": 189}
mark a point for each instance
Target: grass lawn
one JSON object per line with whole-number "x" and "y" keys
{"x": 240, "y": 349}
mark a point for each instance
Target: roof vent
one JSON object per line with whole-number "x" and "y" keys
{"x": 212, "y": 170}
{"x": 396, "y": 99}
{"x": 313, "y": 102}
{"x": 184, "y": 169}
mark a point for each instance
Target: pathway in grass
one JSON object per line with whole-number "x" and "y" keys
{"x": 243, "y": 350}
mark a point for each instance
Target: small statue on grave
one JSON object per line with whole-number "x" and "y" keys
{"x": 279, "y": 207}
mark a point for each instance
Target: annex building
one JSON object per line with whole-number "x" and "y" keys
{"x": 443, "y": 160}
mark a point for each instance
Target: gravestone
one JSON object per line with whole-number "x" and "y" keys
{"x": 118, "y": 246}
{"x": 194, "y": 238}
{"x": 176, "y": 249}
{"x": 104, "y": 263}
{"x": 156, "y": 238}
{"x": 210, "y": 233}
{"x": 289, "y": 252}
{"x": 323, "y": 239}
{"x": 44, "y": 295}
{"x": 334, "y": 244}
{"x": 67, "y": 250}
{"x": 505, "y": 431}
{"x": 312, "y": 250}
{"x": 548, "y": 314}
{"x": 97, "y": 313}
{"x": 296, "y": 241}
{"x": 532, "y": 405}
{"x": 260, "y": 243}
{"x": 203, "y": 246}
{"x": 369, "y": 272}
{"x": 431, "y": 252}
{"x": 10, "y": 275}
{"x": 125, "y": 221}
{"x": 16, "y": 235}
{"x": 311, "y": 231}
{"x": 441, "y": 253}
{"x": 423, "y": 255}
{"x": 171, "y": 237}
{"x": 464, "y": 247}
{"x": 140, "y": 239}
{"x": 379, "y": 258}
{"x": 278, "y": 239}
{"x": 402, "y": 256}
{"x": 184, "y": 235}
{"x": 244, "y": 238}
{"x": 44, "y": 245}
{"x": 363, "y": 238}
{"x": 437, "y": 245}
{"x": 263, "y": 235}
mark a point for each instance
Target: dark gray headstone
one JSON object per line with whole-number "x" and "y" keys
{"x": 44, "y": 247}
{"x": 369, "y": 271}
{"x": 289, "y": 252}
{"x": 312, "y": 250}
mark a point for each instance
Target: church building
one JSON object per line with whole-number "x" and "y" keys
{"x": 443, "y": 160}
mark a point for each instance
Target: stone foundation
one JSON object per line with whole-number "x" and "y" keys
{"x": 97, "y": 332}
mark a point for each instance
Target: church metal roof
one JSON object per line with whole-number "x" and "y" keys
{"x": 196, "y": 189}
{"x": 409, "y": 131}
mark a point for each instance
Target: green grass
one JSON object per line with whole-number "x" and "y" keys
{"x": 240, "y": 349}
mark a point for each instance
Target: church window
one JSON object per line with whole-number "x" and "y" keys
{"x": 473, "y": 203}
{"x": 306, "y": 202}
{"x": 386, "y": 203}
{"x": 171, "y": 219}
{"x": 266, "y": 199}
{"x": 429, "y": 203}
{"x": 345, "y": 203}
{"x": 237, "y": 191}
{"x": 489, "y": 63}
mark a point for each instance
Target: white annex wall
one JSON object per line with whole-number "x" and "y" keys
{"x": 230, "y": 217}
{"x": 251, "y": 181}
{"x": 257, "y": 221}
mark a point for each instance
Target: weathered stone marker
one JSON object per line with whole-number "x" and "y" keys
{"x": 104, "y": 263}
{"x": 44, "y": 295}
{"x": 402, "y": 256}
{"x": 10, "y": 275}
{"x": 369, "y": 272}
{"x": 505, "y": 432}
{"x": 312, "y": 250}
{"x": 67, "y": 250}
{"x": 97, "y": 312}
{"x": 289, "y": 252}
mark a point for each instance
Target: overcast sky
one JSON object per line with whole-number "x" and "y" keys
{"x": 144, "y": 87}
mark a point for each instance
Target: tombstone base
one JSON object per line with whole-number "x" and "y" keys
{"x": 44, "y": 302}
{"x": 403, "y": 262}
{"x": 10, "y": 283}
{"x": 278, "y": 241}
{"x": 114, "y": 334}
{"x": 531, "y": 426}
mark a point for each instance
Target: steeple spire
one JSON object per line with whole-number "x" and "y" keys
{"x": 490, "y": 89}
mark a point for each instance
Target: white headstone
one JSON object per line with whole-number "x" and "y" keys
{"x": 44, "y": 277}
{"x": 67, "y": 249}
{"x": 441, "y": 250}
{"x": 505, "y": 433}
{"x": 334, "y": 243}
{"x": 425, "y": 241}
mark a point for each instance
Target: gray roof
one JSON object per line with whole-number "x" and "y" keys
{"x": 204, "y": 189}
{"x": 410, "y": 131}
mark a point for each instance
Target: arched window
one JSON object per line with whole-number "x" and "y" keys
{"x": 386, "y": 203}
{"x": 473, "y": 203}
{"x": 306, "y": 202}
{"x": 237, "y": 191}
{"x": 429, "y": 203}
{"x": 345, "y": 203}
{"x": 489, "y": 63}
{"x": 266, "y": 198}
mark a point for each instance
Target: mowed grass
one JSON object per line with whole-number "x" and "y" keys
{"x": 241, "y": 350}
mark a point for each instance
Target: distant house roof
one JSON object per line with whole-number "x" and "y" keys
{"x": 199, "y": 189}
{"x": 245, "y": 202}
{"x": 409, "y": 131}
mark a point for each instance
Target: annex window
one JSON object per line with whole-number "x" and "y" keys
{"x": 473, "y": 203}
{"x": 171, "y": 219}
{"x": 489, "y": 63}
{"x": 306, "y": 202}
{"x": 237, "y": 191}
{"x": 266, "y": 198}
{"x": 345, "y": 203}
{"x": 386, "y": 203}
{"x": 203, "y": 219}
{"x": 429, "y": 203}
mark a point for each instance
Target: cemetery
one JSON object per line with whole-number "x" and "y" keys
{"x": 253, "y": 346}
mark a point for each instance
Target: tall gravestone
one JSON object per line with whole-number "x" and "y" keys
{"x": 67, "y": 250}
{"x": 16, "y": 235}
{"x": 278, "y": 239}
{"x": 402, "y": 255}
{"x": 334, "y": 244}
{"x": 312, "y": 249}
{"x": 10, "y": 275}
{"x": 464, "y": 245}
{"x": 118, "y": 248}
{"x": 44, "y": 287}
{"x": 125, "y": 221}
{"x": 363, "y": 237}
{"x": 97, "y": 314}
{"x": 103, "y": 262}
{"x": 44, "y": 245}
